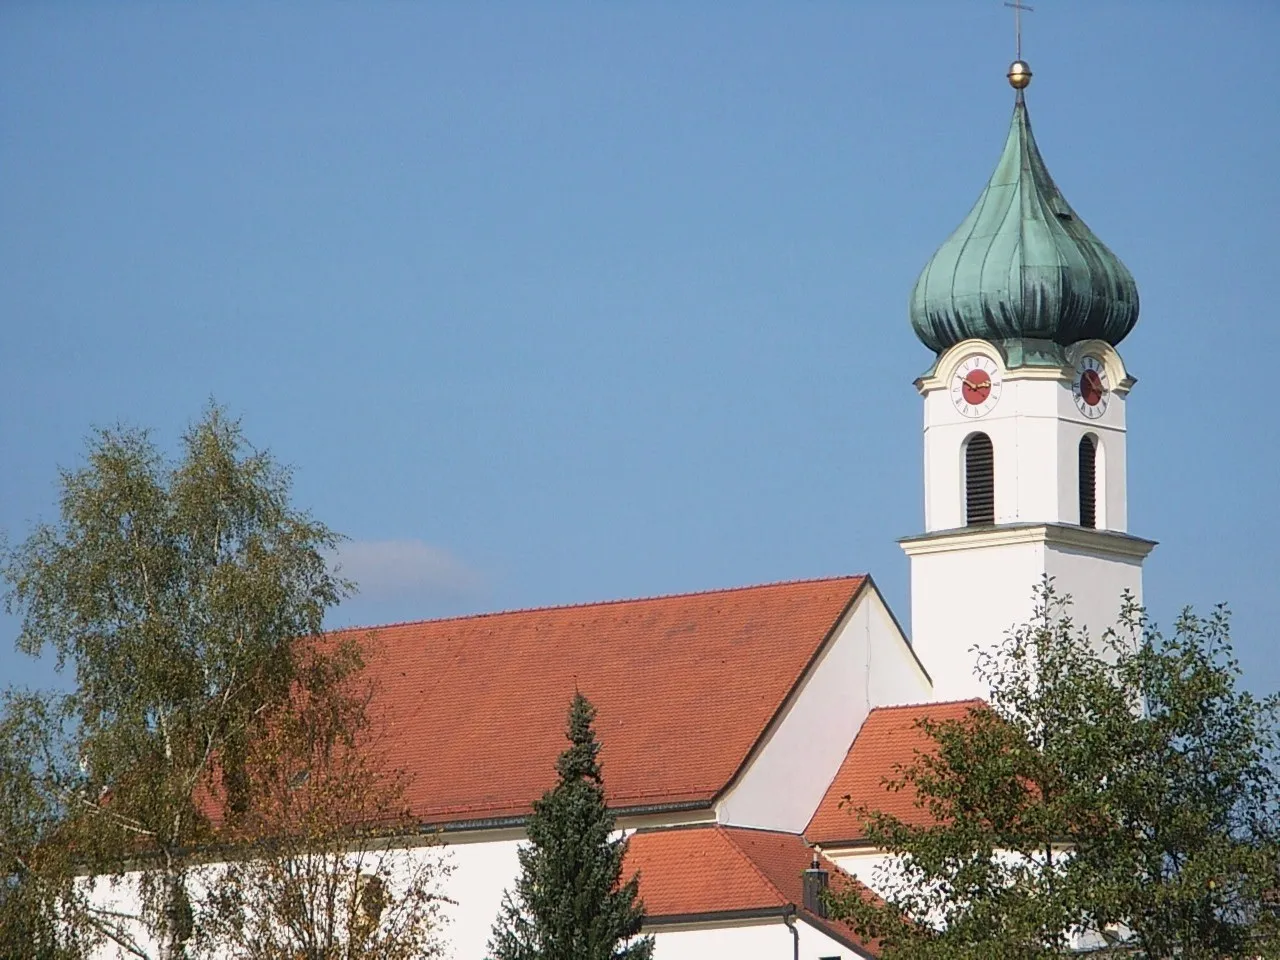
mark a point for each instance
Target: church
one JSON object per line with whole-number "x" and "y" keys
{"x": 734, "y": 721}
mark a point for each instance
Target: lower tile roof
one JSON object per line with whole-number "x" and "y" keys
{"x": 890, "y": 737}
{"x": 697, "y": 872}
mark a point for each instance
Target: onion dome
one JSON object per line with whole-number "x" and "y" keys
{"x": 1023, "y": 266}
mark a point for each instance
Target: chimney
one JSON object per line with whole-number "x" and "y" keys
{"x": 815, "y": 885}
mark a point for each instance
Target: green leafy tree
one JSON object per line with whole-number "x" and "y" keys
{"x": 37, "y": 871}
{"x": 320, "y": 868}
{"x": 570, "y": 902}
{"x": 177, "y": 592}
{"x": 1119, "y": 796}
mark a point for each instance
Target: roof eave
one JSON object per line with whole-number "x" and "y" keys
{"x": 518, "y": 821}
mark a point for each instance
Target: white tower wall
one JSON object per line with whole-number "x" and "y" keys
{"x": 971, "y": 584}
{"x": 1035, "y": 430}
{"x": 970, "y": 587}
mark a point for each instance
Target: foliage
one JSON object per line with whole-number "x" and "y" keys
{"x": 177, "y": 593}
{"x": 37, "y": 877}
{"x": 316, "y": 872}
{"x": 1119, "y": 795}
{"x": 570, "y": 902}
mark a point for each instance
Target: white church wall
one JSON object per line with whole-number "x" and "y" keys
{"x": 866, "y": 664}
{"x": 1103, "y": 515}
{"x": 119, "y": 897}
{"x": 969, "y": 588}
{"x": 1034, "y": 447}
{"x": 471, "y": 883}
{"x": 882, "y": 872}
{"x": 486, "y": 864}
{"x": 767, "y": 939}
{"x": 863, "y": 864}
{"x": 482, "y": 870}
{"x": 1113, "y": 496}
{"x": 1096, "y": 584}
{"x": 483, "y": 867}
{"x": 1108, "y": 430}
{"x": 945, "y": 435}
{"x": 1110, "y": 493}
{"x": 1035, "y": 430}
{"x": 1026, "y": 453}
{"x": 966, "y": 597}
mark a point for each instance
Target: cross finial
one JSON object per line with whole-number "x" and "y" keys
{"x": 1019, "y": 73}
{"x": 1017, "y": 22}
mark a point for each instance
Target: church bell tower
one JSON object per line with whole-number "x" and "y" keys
{"x": 1024, "y": 418}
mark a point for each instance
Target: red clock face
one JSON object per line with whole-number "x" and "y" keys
{"x": 976, "y": 386}
{"x": 1091, "y": 388}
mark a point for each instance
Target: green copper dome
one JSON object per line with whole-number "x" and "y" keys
{"x": 1023, "y": 267}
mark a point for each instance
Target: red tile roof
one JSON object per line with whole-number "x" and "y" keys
{"x": 685, "y": 686}
{"x": 712, "y": 869}
{"x": 701, "y": 870}
{"x": 890, "y": 736}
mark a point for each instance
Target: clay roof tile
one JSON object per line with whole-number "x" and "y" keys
{"x": 685, "y": 687}
{"x": 705, "y": 870}
{"x": 890, "y": 737}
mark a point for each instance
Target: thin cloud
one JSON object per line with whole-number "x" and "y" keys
{"x": 406, "y": 569}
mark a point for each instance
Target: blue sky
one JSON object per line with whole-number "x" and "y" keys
{"x": 550, "y": 303}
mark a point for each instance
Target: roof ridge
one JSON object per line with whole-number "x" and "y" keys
{"x": 738, "y": 827}
{"x": 925, "y": 703}
{"x": 354, "y": 628}
{"x": 676, "y": 827}
{"x": 722, "y": 829}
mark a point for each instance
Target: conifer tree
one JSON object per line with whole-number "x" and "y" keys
{"x": 570, "y": 902}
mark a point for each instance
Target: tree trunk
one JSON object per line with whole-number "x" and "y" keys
{"x": 178, "y": 918}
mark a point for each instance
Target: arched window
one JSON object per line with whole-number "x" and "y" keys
{"x": 979, "y": 480}
{"x": 1088, "y": 481}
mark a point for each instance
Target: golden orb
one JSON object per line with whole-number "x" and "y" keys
{"x": 1019, "y": 75}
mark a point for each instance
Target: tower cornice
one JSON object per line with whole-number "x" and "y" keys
{"x": 1099, "y": 542}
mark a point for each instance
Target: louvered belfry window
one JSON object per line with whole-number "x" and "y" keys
{"x": 979, "y": 481}
{"x": 1088, "y": 482}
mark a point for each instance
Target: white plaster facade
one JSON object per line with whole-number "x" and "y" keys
{"x": 751, "y": 939}
{"x": 866, "y": 663}
{"x": 971, "y": 584}
{"x": 866, "y": 864}
{"x": 1035, "y": 429}
{"x": 484, "y": 864}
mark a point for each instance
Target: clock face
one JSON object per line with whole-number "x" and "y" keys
{"x": 975, "y": 387}
{"x": 1091, "y": 388}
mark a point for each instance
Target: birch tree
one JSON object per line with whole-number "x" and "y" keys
{"x": 327, "y": 861}
{"x": 176, "y": 593}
